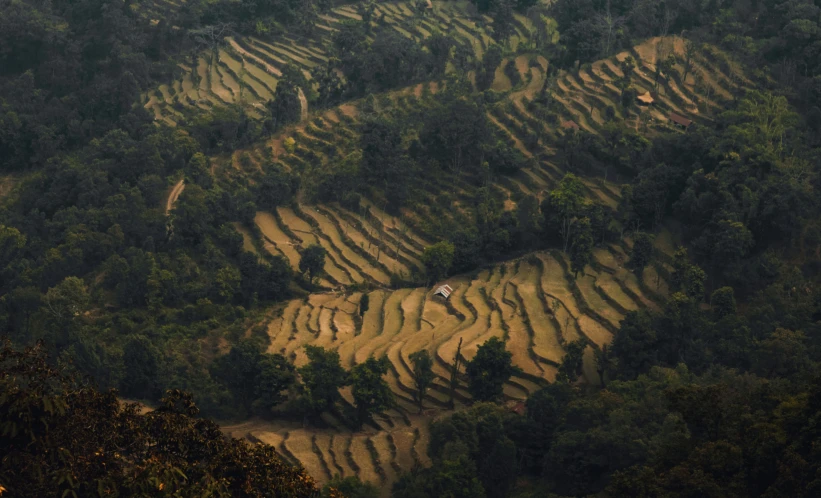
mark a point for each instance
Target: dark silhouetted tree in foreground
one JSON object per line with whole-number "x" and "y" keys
{"x": 62, "y": 437}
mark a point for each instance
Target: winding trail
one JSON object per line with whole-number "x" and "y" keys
{"x": 303, "y": 105}
{"x": 175, "y": 194}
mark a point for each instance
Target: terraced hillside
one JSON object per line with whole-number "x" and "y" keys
{"x": 245, "y": 69}
{"x": 712, "y": 80}
{"x": 369, "y": 246}
{"x": 530, "y": 302}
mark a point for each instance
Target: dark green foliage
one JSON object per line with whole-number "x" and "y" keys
{"x": 423, "y": 375}
{"x": 642, "y": 253}
{"x": 349, "y": 487}
{"x": 141, "y": 361}
{"x": 571, "y": 368}
{"x": 276, "y": 375}
{"x": 581, "y": 249}
{"x": 371, "y": 393}
{"x": 321, "y": 378}
{"x": 312, "y": 261}
{"x": 687, "y": 277}
{"x": 238, "y": 371}
{"x": 107, "y": 447}
{"x": 489, "y": 370}
{"x": 723, "y": 302}
{"x": 438, "y": 260}
{"x": 364, "y": 304}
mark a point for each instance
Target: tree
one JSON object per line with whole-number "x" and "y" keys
{"x": 312, "y": 261}
{"x": 723, "y": 302}
{"x": 276, "y": 375}
{"x": 371, "y": 393}
{"x": 489, "y": 370}
{"x": 108, "y": 447}
{"x": 635, "y": 346}
{"x": 642, "y": 253}
{"x": 364, "y": 304}
{"x": 687, "y": 278}
{"x": 239, "y": 371}
{"x": 65, "y": 302}
{"x": 142, "y": 363}
{"x": 581, "y": 251}
{"x": 503, "y": 21}
{"x": 423, "y": 375}
{"x": 571, "y": 367}
{"x": 566, "y": 202}
{"x": 690, "y": 51}
{"x": 322, "y": 378}
{"x": 438, "y": 259}
{"x": 192, "y": 217}
{"x": 349, "y": 487}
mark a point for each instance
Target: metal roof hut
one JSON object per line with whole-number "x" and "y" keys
{"x": 646, "y": 99}
{"x": 680, "y": 121}
{"x": 445, "y": 291}
{"x": 570, "y": 125}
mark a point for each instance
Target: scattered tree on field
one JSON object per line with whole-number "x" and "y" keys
{"x": 322, "y": 378}
{"x": 571, "y": 367}
{"x": 364, "y": 304}
{"x": 642, "y": 253}
{"x": 312, "y": 262}
{"x": 489, "y": 370}
{"x": 564, "y": 206}
{"x": 276, "y": 375}
{"x": 438, "y": 259}
{"x": 422, "y": 374}
{"x": 454, "y": 373}
{"x": 371, "y": 393}
{"x": 581, "y": 250}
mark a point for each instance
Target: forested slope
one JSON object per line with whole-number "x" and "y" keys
{"x": 254, "y": 201}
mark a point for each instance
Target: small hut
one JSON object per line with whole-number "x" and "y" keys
{"x": 646, "y": 99}
{"x": 570, "y": 125}
{"x": 680, "y": 121}
{"x": 445, "y": 291}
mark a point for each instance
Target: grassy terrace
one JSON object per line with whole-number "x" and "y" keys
{"x": 245, "y": 69}
{"x": 532, "y": 302}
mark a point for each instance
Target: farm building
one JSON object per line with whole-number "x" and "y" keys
{"x": 570, "y": 125}
{"x": 445, "y": 291}
{"x": 680, "y": 121}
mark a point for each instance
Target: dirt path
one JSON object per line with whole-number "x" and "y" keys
{"x": 303, "y": 104}
{"x": 175, "y": 193}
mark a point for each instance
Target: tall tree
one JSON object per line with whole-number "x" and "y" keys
{"x": 571, "y": 367}
{"x": 489, "y": 370}
{"x": 371, "y": 393}
{"x": 312, "y": 261}
{"x": 422, "y": 374}
{"x": 322, "y": 378}
{"x": 438, "y": 259}
{"x": 141, "y": 360}
{"x": 642, "y": 252}
{"x": 565, "y": 204}
{"x": 581, "y": 250}
{"x": 276, "y": 376}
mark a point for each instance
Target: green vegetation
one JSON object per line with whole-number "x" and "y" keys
{"x": 63, "y": 437}
{"x": 248, "y": 201}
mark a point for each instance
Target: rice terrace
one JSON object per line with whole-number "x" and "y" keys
{"x": 486, "y": 248}
{"x": 533, "y": 302}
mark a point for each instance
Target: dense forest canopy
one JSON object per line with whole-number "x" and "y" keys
{"x": 190, "y": 192}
